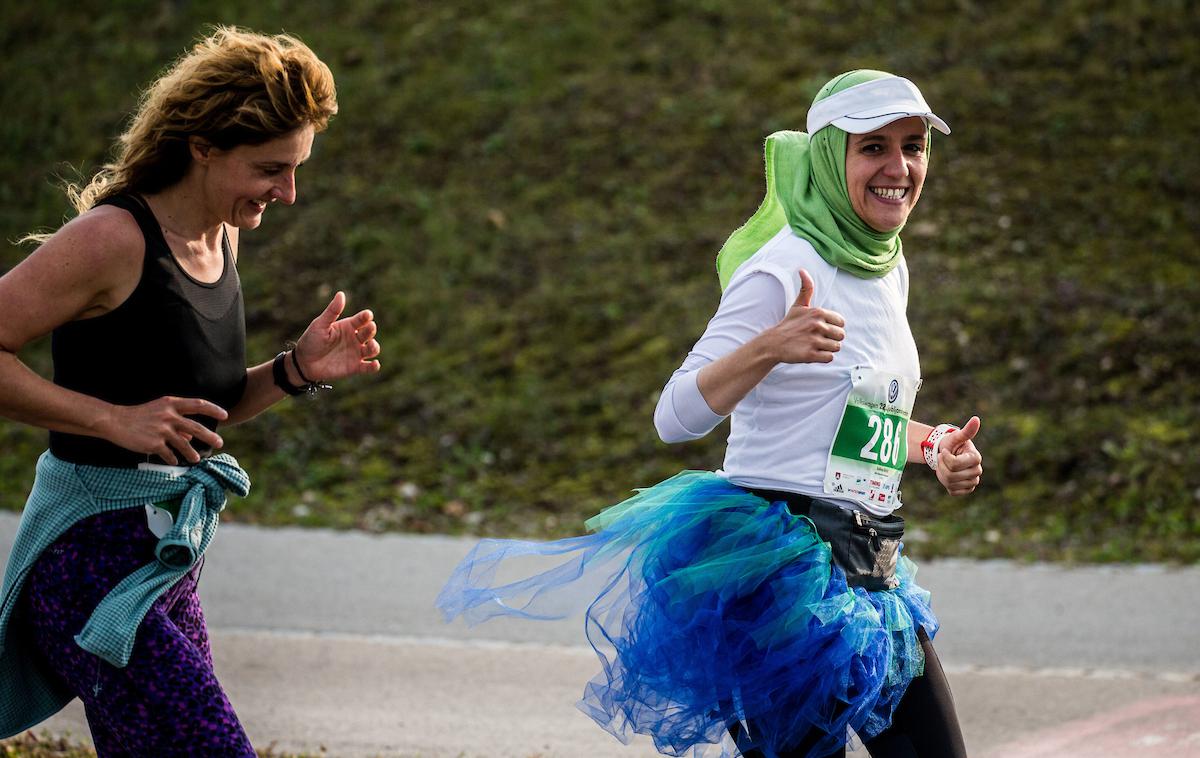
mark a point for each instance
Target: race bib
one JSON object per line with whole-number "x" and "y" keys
{"x": 870, "y": 448}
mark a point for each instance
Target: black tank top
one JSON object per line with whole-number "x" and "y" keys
{"x": 172, "y": 336}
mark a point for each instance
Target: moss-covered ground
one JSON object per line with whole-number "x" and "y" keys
{"x": 530, "y": 194}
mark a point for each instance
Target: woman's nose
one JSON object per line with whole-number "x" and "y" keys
{"x": 285, "y": 190}
{"x": 897, "y": 165}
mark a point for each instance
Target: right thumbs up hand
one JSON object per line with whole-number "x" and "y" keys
{"x": 807, "y": 334}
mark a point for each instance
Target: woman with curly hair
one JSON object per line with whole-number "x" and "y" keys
{"x": 141, "y": 295}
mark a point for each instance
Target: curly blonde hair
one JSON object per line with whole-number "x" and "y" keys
{"x": 235, "y": 87}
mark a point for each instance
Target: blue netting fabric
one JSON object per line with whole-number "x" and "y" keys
{"x": 714, "y": 608}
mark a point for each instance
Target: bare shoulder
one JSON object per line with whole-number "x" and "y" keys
{"x": 85, "y": 269}
{"x": 105, "y": 240}
{"x": 106, "y": 234}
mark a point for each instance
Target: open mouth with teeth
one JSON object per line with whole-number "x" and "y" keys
{"x": 890, "y": 193}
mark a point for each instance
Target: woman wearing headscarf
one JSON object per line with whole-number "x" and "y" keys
{"x": 141, "y": 294}
{"x": 767, "y": 605}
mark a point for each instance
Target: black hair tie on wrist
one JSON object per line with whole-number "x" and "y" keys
{"x": 279, "y": 372}
{"x": 296, "y": 363}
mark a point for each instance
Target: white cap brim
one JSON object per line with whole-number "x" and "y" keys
{"x": 857, "y": 124}
{"x": 871, "y": 105}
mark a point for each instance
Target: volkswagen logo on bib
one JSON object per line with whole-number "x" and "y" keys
{"x": 893, "y": 391}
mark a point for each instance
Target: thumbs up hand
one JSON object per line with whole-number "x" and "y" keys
{"x": 959, "y": 464}
{"x": 807, "y": 334}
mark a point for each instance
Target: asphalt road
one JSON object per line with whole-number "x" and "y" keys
{"x": 330, "y": 640}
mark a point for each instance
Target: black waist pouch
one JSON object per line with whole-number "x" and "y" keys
{"x": 866, "y": 547}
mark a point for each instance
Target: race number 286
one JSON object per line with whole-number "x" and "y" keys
{"x": 872, "y": 437}
{"x": 884, "y": 445}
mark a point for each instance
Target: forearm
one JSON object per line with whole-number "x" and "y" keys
{"x": 727, "y": 380}
{"x": 728, "y": 361}
{"x": 31, "y": 399}
{"x": 261, "y": 392}
{"x": 917, "y": 432}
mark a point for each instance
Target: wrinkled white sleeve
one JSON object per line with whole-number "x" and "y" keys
{"x": 750, "y": 305}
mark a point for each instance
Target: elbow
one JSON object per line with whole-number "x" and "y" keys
{"x": 670, "y": 436}
{"x": 675, "y": 436}
{"x": 668, "y": 426}
{"x": 682, "y": 413}
{"x": 10, "y": 344}
{"x": 665, "y": 433}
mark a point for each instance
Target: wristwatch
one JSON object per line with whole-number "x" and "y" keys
{"x": 279, "y": 372}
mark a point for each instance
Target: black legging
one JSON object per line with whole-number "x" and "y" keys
{"x": 924, "y": 725}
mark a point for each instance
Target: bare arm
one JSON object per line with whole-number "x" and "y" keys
{"x": 916, "y": 434}
{"x": 84, "y": 270}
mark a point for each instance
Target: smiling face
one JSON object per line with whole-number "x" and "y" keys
{"x": 885, "y": 170}
{"x": 241, "y": 182}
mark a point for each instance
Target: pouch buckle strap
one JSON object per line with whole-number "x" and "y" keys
{"x": 798, "y": 505}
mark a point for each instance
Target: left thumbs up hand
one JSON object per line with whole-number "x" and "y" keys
{"x": 959, "y": 464}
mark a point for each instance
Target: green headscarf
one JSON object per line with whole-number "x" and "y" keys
{"x": 806, "y": 189}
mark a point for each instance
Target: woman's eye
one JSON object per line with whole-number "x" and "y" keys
{"x": 916, "y": 148}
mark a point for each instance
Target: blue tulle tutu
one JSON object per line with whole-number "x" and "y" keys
{"x": 717, "y": 610}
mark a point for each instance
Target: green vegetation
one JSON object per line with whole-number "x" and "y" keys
{"x": 530, "y": 195}
{"x": 46, "y": 745}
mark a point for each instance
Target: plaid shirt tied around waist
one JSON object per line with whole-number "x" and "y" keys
{"x": 66, "y": 493}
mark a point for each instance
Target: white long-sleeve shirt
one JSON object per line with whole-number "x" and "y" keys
{"x": 782, "y": 430}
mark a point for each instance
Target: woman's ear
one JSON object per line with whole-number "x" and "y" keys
{"x": 200, "y": 149}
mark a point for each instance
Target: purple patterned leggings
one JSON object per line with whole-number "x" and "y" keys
{"x": 167, "y": 701}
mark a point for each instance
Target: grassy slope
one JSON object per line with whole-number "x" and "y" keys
{"x": 530, "y": 197}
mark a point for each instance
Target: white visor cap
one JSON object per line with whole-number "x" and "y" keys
{"x": 868, "y": 106}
